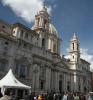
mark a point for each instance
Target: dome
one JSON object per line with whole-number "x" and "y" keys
{"x": 52, "y": 29}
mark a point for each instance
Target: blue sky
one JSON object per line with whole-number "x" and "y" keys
{"x": 68, "y": 16}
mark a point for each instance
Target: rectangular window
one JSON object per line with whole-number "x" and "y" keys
{"x": 22, "y": 71}
{"x": 5, "y": 50}
{"x": 19, "y": 43}
{"x": 26, "y": 35}
{"x": 16, "y": 69}
{"x": 43, "y": 42}
{"x": 2, "y": 66}
{"x": 21, "y": 33}
{"x": 6, "y": 43}
{"x": 41, "y": 84}
{"x": 28, "y": 69}
{"x": 25, "y": 45}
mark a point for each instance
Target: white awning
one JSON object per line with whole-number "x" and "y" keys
{"x": 9, "y": 81}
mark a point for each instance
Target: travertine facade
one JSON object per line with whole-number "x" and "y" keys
{"x": 34, "y": 56}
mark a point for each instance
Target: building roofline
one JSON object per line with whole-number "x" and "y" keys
{"x": 84, "y": 60}
{"x": 24, "y": 27}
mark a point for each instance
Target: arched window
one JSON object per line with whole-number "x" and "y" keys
{"x": 43, "y": 42}
{"x": 45, "y": 23}
{"x": 54, "y": 47}
{"x": 73, "y": 57}
{"x": 38, "y": 21}
{"x": 77, "y": 46}
{"x": 3, "y": 65}
{"x": 73, "y": 45}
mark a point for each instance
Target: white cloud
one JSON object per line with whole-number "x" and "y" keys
{"x": 55, "y": 6}
{"x": 26, "y": 9}
{"x": 86, "y": 56}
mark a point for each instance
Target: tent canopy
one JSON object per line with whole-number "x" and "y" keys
{"x": 9, "y": 81}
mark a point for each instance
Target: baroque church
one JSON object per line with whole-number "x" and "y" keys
{"x": 34, "y": 56}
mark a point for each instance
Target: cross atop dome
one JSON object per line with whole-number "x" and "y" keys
{"x": 44, "y": 7}
{"x": 44, "y": 4}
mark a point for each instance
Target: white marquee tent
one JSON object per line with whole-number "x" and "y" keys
{"x": 9, "y": 81}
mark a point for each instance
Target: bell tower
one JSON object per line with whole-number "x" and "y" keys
{"x": 75, "y": 60}
{"x": 74, "y": 51}
{"x": 42, "y": 19}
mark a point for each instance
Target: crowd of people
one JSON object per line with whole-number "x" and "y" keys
{"x": 51, "y": 96}
{"x": 63, "y": 96}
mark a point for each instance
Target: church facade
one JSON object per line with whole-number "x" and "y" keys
{"x": 34, "y": 56}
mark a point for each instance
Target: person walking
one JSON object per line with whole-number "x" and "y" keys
{"x": 89, "y": 97}
{"x": 76, "y": 96}
{"x": 39, "y": 97}
{"x": 6, "y": 96}
{"x": 65, "y": 96}
{"x": 35, "y": 97}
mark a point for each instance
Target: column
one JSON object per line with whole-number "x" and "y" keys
{"x": 52, "y": 45}
{"x": 36, "y": 22}
{"x": 64, "y": 82}
{"x": 40, "y": 23}
{"x": 37, "y": 78}
{"x": 48, "y": 79}
{"x": 12, "y": 56}
{"x": 75, "y": 82}
{"x": 81, "y": 83}
{"x": 49, "y": 43}
{"x": 72, "y": 83}
{"x": 46, "y": 42}
{"x": 34, "y": 77}
{"x": 57, "y": 81}
{"x": 52, "y": 84}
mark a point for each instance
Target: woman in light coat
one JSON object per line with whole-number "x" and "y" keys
{"x": 65, "y": 96}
